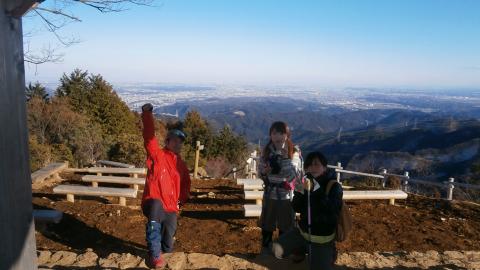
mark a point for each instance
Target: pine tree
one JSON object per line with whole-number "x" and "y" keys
{"x": 36, "y": 90}
{"x": 197, "y": 129}
{"x": 75, "y": 86}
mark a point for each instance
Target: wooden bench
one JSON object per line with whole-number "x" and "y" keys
{"x": 241, "y": 181}
{"x": 135, "y": 172}
{"x": 47, "y": 216}
{"x": 52, "y": 169}
{"x": 251, "y": 210}
{"x": 254, "y": 195}
{"x": 95, "y": 179}
{"x": 115, "y": 164}
{"x": 71, "y": 190}
{"x": 253, "y": 186}
{"x": 390, "y": 195}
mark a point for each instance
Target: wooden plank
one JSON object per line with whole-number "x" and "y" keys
{"x": 46, "y": 172}
{"x": 253, "y": 195}
{"x": 104, "y": 170}
{"x": 241, "y": 181}
{"x": 348, "y": 194}
{"x": 17, "y": 233}
{"x": 115, "y": 164}
{"x": 114, "y": 179}
{"x": 360, "y": 173}
{"x": 253, "y": 186}
{"x": 47, "y": 216}
{"x": 77, "y": 170}
{"x": 374, "y": 194}
{"x": 252, "y": 210}
{"x": 92, "y": 191}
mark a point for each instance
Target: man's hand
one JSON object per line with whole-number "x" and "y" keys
{"x": 148, "y": 107}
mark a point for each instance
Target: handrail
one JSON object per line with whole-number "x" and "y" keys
{"x": 449, "y": 185}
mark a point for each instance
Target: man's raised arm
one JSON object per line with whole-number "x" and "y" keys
{"x": 150, "y": 142}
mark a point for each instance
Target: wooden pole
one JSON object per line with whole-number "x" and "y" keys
{"x": 384, "y": 180}
{"x": 198, "y": 148}
{"x": 339, "y": 165}
{"x": 405, "y": 181}
{"x": 17, "y": 233}
{"x": 450, "y": 188}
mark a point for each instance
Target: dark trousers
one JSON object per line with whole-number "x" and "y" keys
{"x": 276, "y": 214}
{"x": 160, "y": 228}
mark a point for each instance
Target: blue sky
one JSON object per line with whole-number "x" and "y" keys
{"x": 383, "y": 43}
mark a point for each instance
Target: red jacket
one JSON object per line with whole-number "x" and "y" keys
{"x": 167, "y": 179}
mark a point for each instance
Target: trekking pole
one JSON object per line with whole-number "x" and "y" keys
{"x": 309, "y": 220}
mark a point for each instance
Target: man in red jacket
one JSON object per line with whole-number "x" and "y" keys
{"x": 167, "y": 185}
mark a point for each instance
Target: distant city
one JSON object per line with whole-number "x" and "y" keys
{"x": 160, "y": 95}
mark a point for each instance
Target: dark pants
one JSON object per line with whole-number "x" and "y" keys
{"x": 323, "y": 256}
{"x": 160, "y": 228}
{"x": 276, "y": 214}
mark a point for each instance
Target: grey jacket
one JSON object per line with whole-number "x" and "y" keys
{"x": 278, "y": 185}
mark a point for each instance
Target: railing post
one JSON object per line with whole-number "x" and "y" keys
{"x": 234, "y": 173}
{"x": 450, "y": 188}
{"x": 339, "y": 165}
{"x": 198, "y": 148}
{"x": 405, "y": 182}
{"x": 384, "y": 180}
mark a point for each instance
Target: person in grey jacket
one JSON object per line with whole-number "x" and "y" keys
{"x": 279, "y": 175}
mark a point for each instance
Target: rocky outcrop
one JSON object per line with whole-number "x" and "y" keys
{"x": 179, "y": 261}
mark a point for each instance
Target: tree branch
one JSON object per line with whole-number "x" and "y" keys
{"x": 55, "y": 18}
{"x": 46, "y": 55}
{"x": 105, "y": 6}
{"x": 59, "y": 12}
{"x": 53, "y": 28}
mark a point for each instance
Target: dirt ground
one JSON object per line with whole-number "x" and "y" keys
{"x": 216, "y": 224}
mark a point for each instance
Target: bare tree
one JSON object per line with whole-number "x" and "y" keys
{"x": 56, "y": 15}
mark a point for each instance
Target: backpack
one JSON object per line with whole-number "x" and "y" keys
{"x": 344, "y": 223}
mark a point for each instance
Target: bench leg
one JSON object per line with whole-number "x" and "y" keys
{"x": 258, "y": 201}
{"x": 135, "y": 175}
{"x": 122, "y": 201}
{"x": 392, "y": 201}
{"x": 135, "y": 187}
{"x": 94, "y": 184}
{"x": 99, "y": 174}
{"x": 70, "y": 198}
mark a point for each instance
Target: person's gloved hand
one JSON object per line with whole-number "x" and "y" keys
{"x": 265, "y": 169}
{"x": 148, "y": 107}
{"x": 308, "y": 185}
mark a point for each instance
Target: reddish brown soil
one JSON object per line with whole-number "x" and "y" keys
{"x": 216, "y": 225}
